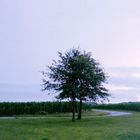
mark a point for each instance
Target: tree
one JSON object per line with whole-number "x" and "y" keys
{"x": 78, "y": 77}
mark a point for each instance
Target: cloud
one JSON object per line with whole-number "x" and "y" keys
{"x": 124, "y": 84}
{"x": 124, "y": 76}
{"x": 136, "y": 75}
{"x": 119, "y": 87}
{"x": 24, "y": 93}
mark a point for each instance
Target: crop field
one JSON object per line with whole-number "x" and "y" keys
{"x": 37, "y": 108}
{"x": 93, "y": 126}
{"x": 133, "y": 106}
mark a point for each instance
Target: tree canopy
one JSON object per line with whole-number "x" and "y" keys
{"x": 78, "y": 77}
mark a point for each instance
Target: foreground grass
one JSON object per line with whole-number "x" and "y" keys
{"x": 95, "y": 127}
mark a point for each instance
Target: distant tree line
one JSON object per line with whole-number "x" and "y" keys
{"x": 33, "y": 108}
{"x": 134, "y": 106}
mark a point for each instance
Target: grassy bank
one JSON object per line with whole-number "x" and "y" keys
{"x": 95, "y": 127}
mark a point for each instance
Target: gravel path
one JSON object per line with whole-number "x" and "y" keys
{"x": 7, "y": 117}
{"x": 110, "y": 113}
{"x": 113, "y": 113}
{"x": 28, "y": 117}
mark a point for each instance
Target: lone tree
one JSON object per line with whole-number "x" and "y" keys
{"x": 78, "y": 77}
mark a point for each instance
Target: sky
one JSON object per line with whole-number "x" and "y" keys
{"x": 33, "y": 31}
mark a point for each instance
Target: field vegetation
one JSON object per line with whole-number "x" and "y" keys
{"x": 132, "y": 106}
{"x": 37, "y": 108}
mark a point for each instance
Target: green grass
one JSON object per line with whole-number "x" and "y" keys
{"x": 93, "y": 126}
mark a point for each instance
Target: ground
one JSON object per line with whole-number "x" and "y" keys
{"x": 91, "y": 127}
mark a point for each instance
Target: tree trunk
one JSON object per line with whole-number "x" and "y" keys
{"x": 80, "y": 110}
{"x": 73, "y": 109}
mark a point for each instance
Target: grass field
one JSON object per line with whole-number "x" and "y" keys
{"x": 93, "y": 126}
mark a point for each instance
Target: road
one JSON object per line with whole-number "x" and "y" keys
{"x": 113, "y": 113}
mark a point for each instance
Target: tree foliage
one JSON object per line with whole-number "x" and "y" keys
{"x": 77, "y": 76}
